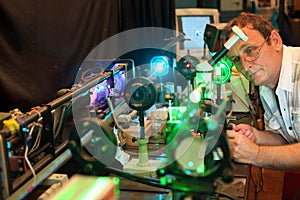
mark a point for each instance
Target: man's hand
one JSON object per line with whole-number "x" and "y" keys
{"x": 245, "y": 140}
{"x": 242, "y": 144}
{"x": 246, "y": 130}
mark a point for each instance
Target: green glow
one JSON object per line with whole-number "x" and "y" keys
{"x": 162, "y": 171}
{"x": 95, "y": 139}
{"x": 225, "y": 63}
{"x": 200, "y": 78}
{"x": 163, "y": 180}
{"x": 93, "y": 191}
{"x": 116, "y": 182}
{"x": 201, "y": 169}
{"x": 176, "y": 113}
{"x": 104, "y": 148}
{"x": 85, "y": 188}
{"x": 117, "y": 191}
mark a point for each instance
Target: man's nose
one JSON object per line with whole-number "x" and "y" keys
{"x": 246, "y": 65}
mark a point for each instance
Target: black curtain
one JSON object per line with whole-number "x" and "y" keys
{"x": 148, "y": 13}
{"x": 43, "y": 43}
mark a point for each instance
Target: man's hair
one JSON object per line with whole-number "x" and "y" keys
{"x": 257, "y": 22}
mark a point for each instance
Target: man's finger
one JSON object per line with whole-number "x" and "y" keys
{"x": 230, "y": 134}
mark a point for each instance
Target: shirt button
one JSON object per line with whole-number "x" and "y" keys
{"x": 290, "y": 128}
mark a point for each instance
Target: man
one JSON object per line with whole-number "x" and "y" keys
{"x": 265, "y": 61}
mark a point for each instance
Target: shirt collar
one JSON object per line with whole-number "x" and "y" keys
{"x": 285, "y": 78}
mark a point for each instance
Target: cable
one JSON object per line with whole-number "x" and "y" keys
{"x": 28, "y": 162}
{"x": 258, "y": 185}
{"x": 38, "y": 137}
{"x": 64, "y": 113}
{"x": 34, "y": 147}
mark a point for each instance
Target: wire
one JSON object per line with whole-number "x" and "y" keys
{"x": 34, "y": 147}
{"x": 259, "y": 183}
{"x": 28, "y": 162}
{"x": 63, "y": 116}
{"x": 38, "y": 137}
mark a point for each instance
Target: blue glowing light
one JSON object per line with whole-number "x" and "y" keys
{"x": 190, "y": 163}
{"x": 159, "y": 65}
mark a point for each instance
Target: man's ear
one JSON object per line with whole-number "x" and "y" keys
{"x": 275, "y": 40}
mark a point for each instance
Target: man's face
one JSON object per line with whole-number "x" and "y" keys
{"x": 257, "y": 59}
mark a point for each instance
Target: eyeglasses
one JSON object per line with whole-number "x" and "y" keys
{"x": 248, "y": 54}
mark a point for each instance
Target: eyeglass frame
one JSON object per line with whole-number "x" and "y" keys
{"x": 238, "y": 63}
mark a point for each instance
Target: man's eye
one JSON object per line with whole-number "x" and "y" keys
{"x": 250, "y": 51}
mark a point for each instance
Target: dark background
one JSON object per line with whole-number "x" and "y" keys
{"x": 43, "y": 43}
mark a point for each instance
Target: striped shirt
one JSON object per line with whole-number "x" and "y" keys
{"x": 284, "y": 118}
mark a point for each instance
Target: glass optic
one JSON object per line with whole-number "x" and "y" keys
{"x": 248, "y": 54}
{"x": 251, "y": 54}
